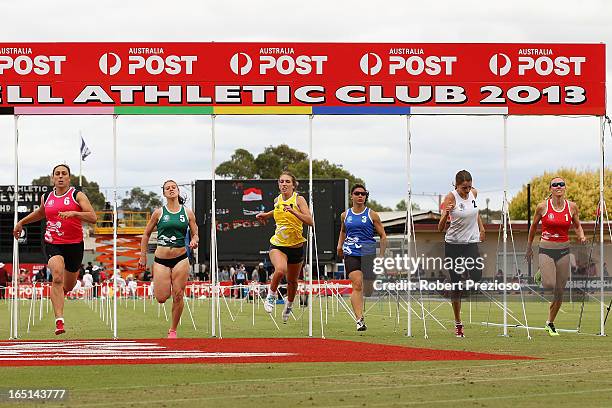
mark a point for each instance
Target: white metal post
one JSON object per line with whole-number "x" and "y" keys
{"x": 14, "y": 331}
{"x": 80, "y": 160}
{"x": 310, "y": 229}
{"x": 505, "y": 219}
{"x": 115, "y": 294}
{"x": 213, "y": 236}
{"x": 409, "y": 219}
{"x": 602, "y": 207}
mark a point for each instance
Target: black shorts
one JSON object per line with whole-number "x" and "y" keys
{"x": 364, "y": 263}
{"x": 466, "y": 263}
{"x": 555, "y": 254}
{"x": 294, "y": 255}
{"x": 170, "y": 263}
{"x": 72, "y": 254}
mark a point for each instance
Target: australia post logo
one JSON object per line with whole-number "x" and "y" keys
{"x": 283, "y": 61}
{"x": 153, "y": 61}
{"x": 110, "y": 63}
{"x": 538, "y": 61}
{"x": 23, "y": 61}
{"x": 411, "y": 61}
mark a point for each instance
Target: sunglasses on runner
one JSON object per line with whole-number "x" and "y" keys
{"x": 360, "y": 193}
{"x": 558, "y": 184}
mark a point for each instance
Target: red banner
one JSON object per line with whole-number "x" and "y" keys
{"x": 321, "y": 78}
{"x": 192, "y": 289}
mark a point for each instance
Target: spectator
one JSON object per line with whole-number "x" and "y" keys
{"x": 241, "y": 277}
{"x": 95, "y": 274}
{"x": 132, "y": 285}
{"x": 224, "y": 275}
{"x": 203, "y": 272}
{"x": 89, "y": 267}
{"x": 151, "y": 290}
{"x": 73, "y": 294}
{"x": 605, "y": 270}
{"x": 592, "y": 270}
{"x": 103, "y": 276}
{"x": 88, "y": 279}
{"x": 24, "y": 276}
{"x": 499, "y": 276}
{"x": 120, "y": 281}
{"x": 268, "y": 267}
{"x": 146, "y": 275}
{"x": 255, "y": 274}
{"x": 107, "y": 219}
{"x": 47, "y": 273}
{"x": 263, "y": 273}
{"x": 4, "y": 279}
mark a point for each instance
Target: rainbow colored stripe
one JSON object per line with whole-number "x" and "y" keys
{"x": 254, "y": 110}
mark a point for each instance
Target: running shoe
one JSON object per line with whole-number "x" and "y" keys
{"x": 361, "y": 326}
{"x": 269, "y": 303}
{"x": 459, "y": 330}
{"x": 172, "y": 334}
{"x": 550, "y": 328}
{"x": 537, "y": 278}
{"x": 286, "y": 312}
{"x": 59, "y": 327}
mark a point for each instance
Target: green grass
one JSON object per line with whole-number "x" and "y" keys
{"x": 573, "y": 369}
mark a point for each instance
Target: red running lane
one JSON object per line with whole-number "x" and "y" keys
{"x": 216, "y": 351}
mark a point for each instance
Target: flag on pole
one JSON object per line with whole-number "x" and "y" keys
{"x": 84, "y": 150}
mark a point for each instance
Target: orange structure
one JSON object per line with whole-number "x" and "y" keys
{"x": 130, "y": 227}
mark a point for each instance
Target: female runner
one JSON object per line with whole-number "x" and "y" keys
{"x": 287, "y": 244}
{"x": 557, "y": 215}
{"x": 357, "y": 246}
{"x": 462, "y": 237}
{"x": 171, "y": 265}
{"x": 65, "y": 209}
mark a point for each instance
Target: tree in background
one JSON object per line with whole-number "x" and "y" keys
{"x": 376, "y": 206}
{"x": 139, "y": 200}
{"x": 90, "y": 188}
{"x": 273, "y": 160}
{"x": 582, "y": 188}
{"x": 240, "y": 166}
{"x": 401, "y": 206}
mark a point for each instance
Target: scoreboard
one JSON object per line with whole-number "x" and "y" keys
{"x": 29, "y": 199}
{"x": 241, "y": 237}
